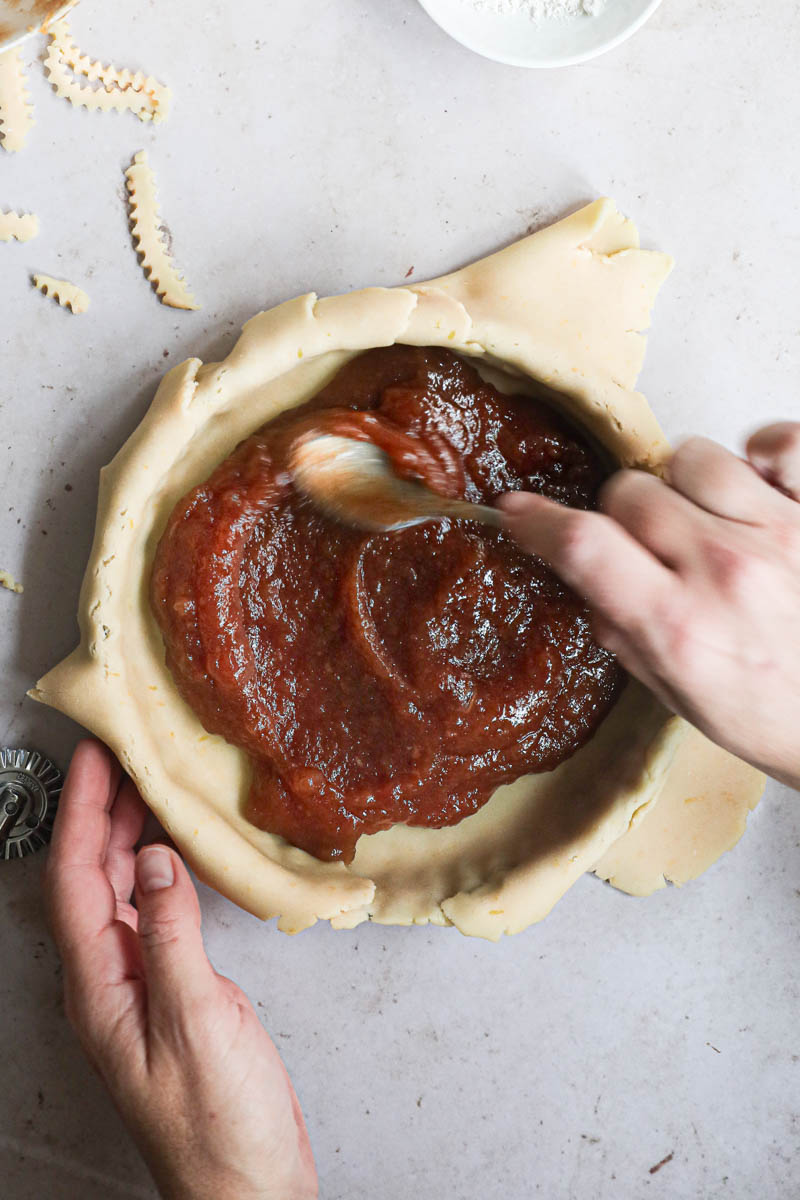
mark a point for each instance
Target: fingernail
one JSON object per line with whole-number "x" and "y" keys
{"x": 154, "y": 869}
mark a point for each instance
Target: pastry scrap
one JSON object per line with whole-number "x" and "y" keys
{"x": 20, "y": 227}
{"x": 67, "y": 294}
{"x": 10, "y": 584}
{"x": 16, "y": 111}
{"x": 151, "y": 247}
{"x": 121, "y": 90}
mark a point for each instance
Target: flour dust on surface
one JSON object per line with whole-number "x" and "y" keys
{"x": 541, "y": 10}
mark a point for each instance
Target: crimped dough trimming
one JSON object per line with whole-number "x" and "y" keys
{"x": 67, "y": 294}
{"x": 16, "y": 110}
{"x": 19, "y": 227}
{"x": 151, "y": 249}
{"x": 121, "y": 91}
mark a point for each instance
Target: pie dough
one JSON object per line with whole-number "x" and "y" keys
{"x": 19, "y": 227}
{"x": 559, "y": 311}
{"x": 701, "y": 813}
{"x": 67, "y": 294}
{"x": 16, "y": 110}
{"x": 151, "y": 248}
{"x": 110, "y": 76}
{"x": 8, "y": 581}
{"x": 121, "y": 91}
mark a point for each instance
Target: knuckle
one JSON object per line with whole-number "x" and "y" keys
{"x": 737, "y": 572}
{"x": 160, "y": 929}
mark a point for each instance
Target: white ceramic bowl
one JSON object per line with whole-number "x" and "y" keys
{"x": 21, "y": 18}
{"x": 521, "y": 42}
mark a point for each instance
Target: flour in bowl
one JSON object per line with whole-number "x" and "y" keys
{"x": 541, "y": 10}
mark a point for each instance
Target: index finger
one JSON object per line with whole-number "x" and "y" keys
{"x": 615, "y": 574}
{"x": 81, "y": 900}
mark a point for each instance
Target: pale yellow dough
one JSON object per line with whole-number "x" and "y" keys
{"x": 151, "y": 248}
{"x": 701, "y": 813}
{"x": 121, "y": 91}
{"x": 19, "y": 227}
{"x": 67, "y": 294}
{"x": 560, "y": 308}
{"x": 16, "y": 110}
{"x": 8, "y": 581}
{"x": 110, "y": 76}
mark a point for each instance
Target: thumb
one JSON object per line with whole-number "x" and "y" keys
{"x": 177, "y": 971}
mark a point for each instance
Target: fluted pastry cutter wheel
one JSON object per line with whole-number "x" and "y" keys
{"x": 30, "y": 786}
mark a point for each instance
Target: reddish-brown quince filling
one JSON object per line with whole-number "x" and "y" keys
{"x": 397, "y": 677}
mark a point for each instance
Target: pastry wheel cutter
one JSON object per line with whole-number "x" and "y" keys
{"x": 30, "y": 786}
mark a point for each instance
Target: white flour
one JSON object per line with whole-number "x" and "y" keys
{"x": 542, "y": 10}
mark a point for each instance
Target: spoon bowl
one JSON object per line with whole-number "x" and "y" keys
{"x": 354, "y": 482}
{"x": 20, "y": 19}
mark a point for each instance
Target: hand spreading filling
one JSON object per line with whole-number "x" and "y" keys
{"x": 384, "y": 678}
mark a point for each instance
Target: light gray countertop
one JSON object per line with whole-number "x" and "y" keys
{"x": 328, "y": 145}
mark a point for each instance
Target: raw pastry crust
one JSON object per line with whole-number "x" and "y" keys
{"x": 16, "y": 110}
{"x": 67, "y": 294}
{"x": 19, "y": 226}
{"x": 562, "y": 307}
{"x": 701, "y": 812}
{"x": 121, "y": 91}
{"x": 145, "y": 224}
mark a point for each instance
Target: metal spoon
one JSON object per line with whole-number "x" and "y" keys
{"x": 19, "y": 21}
{"x": 354, "y": 482}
